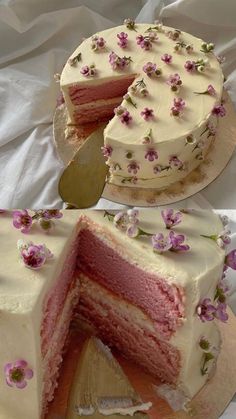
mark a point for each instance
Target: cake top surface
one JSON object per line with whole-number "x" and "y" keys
{"x": 160, "y": 98}
{"x": 21, "y": 287}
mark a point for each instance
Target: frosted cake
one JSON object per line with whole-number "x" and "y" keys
{"x": 161, "y": 91}
{"x": 150, "y": 284}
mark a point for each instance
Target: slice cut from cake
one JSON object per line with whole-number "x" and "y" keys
{"x": 101, "y": 387}
{"x": 154, "y": 294}
{"x": 166, "y": 88}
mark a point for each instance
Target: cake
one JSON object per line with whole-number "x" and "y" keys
{"x": 161, "y": 91}
{"x": 150, "y": 284}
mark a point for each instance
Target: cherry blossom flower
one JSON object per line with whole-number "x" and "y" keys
{"x": 145, "y": 42}
{"x": 177, "y": 241}
{"x": 133, "y": 167}
{"x": 206, "y": 310}
{"x": 171, "y": 218}
{"x": 123, "y": 115}
{"x": 166, "y": 58}
{"x": 161, "y": 243}
{"x": 220, "y": 312}
{"x": 127, "y": 222}
{"x": 147, "y": 113}
{"x": 219, "y": 110}
{"x": 151, "y": 155}
{"x": 22, "y": 220}
{"x": 211, "y": 90}
{"x": 34, "y": 256}
{"x": 107, "y": 150}
{"x": 88, "y": 71}
{"x": 123, "y": 39}
{"x": 18, "y": 373}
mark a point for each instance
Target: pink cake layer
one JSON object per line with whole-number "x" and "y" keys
{"x": 162, "y": 302}
{"x": 79, "y": 94}
{"x": 55, "y": 299}
{"x": 101, "y": 112}
{"x": 133, "y": 340}
{"x": 57, "y": 345}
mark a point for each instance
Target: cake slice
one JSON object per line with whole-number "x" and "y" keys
{"x": 154, "y": 300}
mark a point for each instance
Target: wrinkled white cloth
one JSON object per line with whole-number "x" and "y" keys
{"x": 36, "y": 38}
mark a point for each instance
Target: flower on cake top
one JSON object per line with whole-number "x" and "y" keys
{"x": 190, "y": 66}
{"x": 74, "y": 60}
{"x": 123, "y": 39}
{"x": 174, "y": 34}
{"x": 126, "y": 221}
{"x": 130, "y": 24}
{"x": 151, "y": 155}
{"x": 171, "y": 218}
{"x": 230, "y": 260}
{"x": 174, "y": 82}
{"x": 151, "y": 69}
{"x": 199, "y": 65}
{"x": 166, "y": 58}
{"x": 173, "y": 242}
{"x": 22, "y": 220}
{"x": 206, "y": 310}
{"x": 133, "y": 167}
{"x": 107, "y": 150}
{"x": 139, "y": 87}
{"x": 98, "y": 43}
{"x": 118, "y": 63}
{"x": 123, "y": 115}
{"x": 219, "y": 110}
{"x": 129, "y": 99}
{"x": 147, "y": 114}
{"x": 178, "y": 106}
{"x": 34, "y": 256}
{"x": 209, "y": 91}
{"x": 145, "y": 42}
{"x": 88, "y": 70}
{"x": 18, "y": 373}
{"x": 205, "y": 47}
{"x": 222, "y": 239}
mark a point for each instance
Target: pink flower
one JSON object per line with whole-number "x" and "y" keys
{"x": 133, "y": 167}
{"x": 98, "y": 43}
{"x": 174, "y": 161}
{"x": 126, "y": 118}
{"x": 17, "y": 373}
{"x": 107, "y": 150}
{"x": 151, "y": 155}
{"x": 144, "y": 41}
{"x": 157, "y": 169}
{"x": 219, "y": 110}
{"x": 52, "y": 213}
{"x": 171, "y": 218}
{"x": 139, "y": 39}
{"x": 160, "y": 243}
{"x": 127, "y": 222}
{"x": 153, "y": 36}
{"x": 220, "y": 312}
{"x": 22, "y": 220}
{"x": 147, "y": 114}
{"x": 34, "y": 256}
{"x": 210, "y": 90}
{"x": 230, "y": 259}
{"x": 167, "y": 58}
{"x": 151, "y": 69}
{"x": 88, "y": 71}
{"x": 177, "y": 241}
{"x": 118, "y": 62}
{"x": 206, "y": 310}
{"x": 178, "y": 106}
{"x": 190, "y": 66}
{"x": 174, "y": 82}
{"x": 123, "y": 39}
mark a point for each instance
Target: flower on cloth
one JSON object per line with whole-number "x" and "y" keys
{"x": 18, "y": 373}
{"x": 133, "y": 167}
{"x": 107, "y": 150}
{"x": 174, "y": 82}
{"x": 33, "y": 256}
{"x": 151, "y": 155}
{"x": 98, "y": 43}
{"x": 178, "y": 106}
{"x": 166, "y": 58}
{"x": 147, "y": 113}
{"x": 88, "y": 70}
{"x": 151, "y": 69}
{"x": 118, "y": 63}
{"x": 219, "y": 110}
{"x": 230, "y": 259}
{"x": 171, "y": 218}
{"x": 22, "y": 220}
{"x": 123, "y": 39}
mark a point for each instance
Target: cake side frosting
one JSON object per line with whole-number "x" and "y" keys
{"x": 145, "y": 144}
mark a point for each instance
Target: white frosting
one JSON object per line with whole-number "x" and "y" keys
{"x": 22, "y": 291}
{"x": 168, "y": 132}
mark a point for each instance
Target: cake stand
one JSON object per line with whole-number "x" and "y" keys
{"x": 216, "y": 160}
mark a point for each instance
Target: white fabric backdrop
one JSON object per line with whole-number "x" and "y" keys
{"x": 36, "y": 38}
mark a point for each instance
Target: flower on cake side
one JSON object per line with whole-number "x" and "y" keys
{"x": 17, "y": 373}
{"x": 219, "y": 110}
{"x": 34, "y": 256}
{"x": 209, "y": 354}
{"x": 23, "y": 221}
